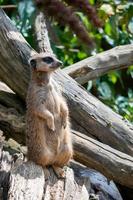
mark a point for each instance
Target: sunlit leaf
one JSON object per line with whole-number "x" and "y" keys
{"x": 113, "y": 76}
{"x": 130, "y": 71}
{"x": 89, "y": 86}
{"x": 130, "y": 26}
{"x": 107, "y": 8}
{"x": 108, "y": 28}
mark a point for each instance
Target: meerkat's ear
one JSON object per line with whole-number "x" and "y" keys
{"x": 32, "y": 63}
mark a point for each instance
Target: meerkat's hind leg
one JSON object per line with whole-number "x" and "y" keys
{"x": 60, "y": 172}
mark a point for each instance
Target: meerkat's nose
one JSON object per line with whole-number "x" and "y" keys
{"x": 33, "y": 63}
{"x": 59, "y": 63}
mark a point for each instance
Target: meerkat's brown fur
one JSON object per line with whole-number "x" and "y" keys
{"x": 48, "y": 130}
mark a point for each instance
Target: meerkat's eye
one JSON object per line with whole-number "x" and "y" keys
{"x": 48, "y": 60}
{"x": 33, "y": 63}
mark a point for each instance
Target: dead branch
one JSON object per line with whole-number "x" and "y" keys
{"x": 90, "y": 68}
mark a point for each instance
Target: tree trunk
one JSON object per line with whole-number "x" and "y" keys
{"x": 89, "y": 113}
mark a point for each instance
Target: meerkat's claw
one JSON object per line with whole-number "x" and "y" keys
{"x": 60, "y": 172}
{"x": 51, "y": 126}
{"x": 64, "y": 123}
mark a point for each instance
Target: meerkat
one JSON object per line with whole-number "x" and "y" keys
{"x": 48, "y": 129}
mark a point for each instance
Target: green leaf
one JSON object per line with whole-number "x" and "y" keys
{"x": 130, "y": 93}
{"x": 130, "y": 70}
{"x": 130, "y": 26}
{"x": 81, "y": 55}
{"x": 104, "y": 90}
{"x": 108, "y": 28}
{"x": 89, "y": 86}
{"x": 113, "y": 77}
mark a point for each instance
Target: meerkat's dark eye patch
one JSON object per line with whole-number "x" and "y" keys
{"x": 48, "y": 60}
{"x": 33, "y": 63}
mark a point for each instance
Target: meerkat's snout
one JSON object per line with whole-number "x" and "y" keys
{"x": 56, "y": 64}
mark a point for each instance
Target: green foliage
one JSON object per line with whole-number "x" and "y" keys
{"x": 116, "y": 88}
{"x": 23, "y": 18}
{"x": 120, "y": 104}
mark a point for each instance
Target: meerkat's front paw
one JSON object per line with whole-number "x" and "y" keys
{"x": 51, "y": 125}
{"x": 64, "y": 117}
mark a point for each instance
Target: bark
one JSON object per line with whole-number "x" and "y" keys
{"x": 14, "y": 56}
{"x": 113, "y": 164}
{"x": 28, "y": 182}
{"x": 12, "y": 123}
{"x": 8, "y": 7}
{"x": 10, "y": 100}
{"x": 12, "y": 111}
{"x": 5, "y": 166}
{"x": 100, "y": 64}
{"x": 89, "y": 113}
{"x": 42, "y": 39}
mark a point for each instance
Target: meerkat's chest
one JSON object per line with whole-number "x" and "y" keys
{"x": 50, "y": 100}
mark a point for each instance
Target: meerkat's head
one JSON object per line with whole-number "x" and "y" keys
{"x": 44, "y": 62}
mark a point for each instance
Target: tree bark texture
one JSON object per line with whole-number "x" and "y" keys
{"x": 87, "y": 112}
{"x": 113, "y": 164}
{"x": 28, "y": 182}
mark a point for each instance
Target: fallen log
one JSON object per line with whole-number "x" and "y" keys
{"x": 88, "y": 112}
{"x": 12, "y": 123}
{"x": 113, "y": 164}
{"x": 10, "y": 100}
{"x": 90, "y": 68}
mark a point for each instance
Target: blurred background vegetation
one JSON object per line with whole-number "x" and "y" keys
{"x": 115, "y": 88}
